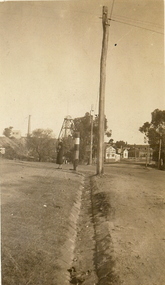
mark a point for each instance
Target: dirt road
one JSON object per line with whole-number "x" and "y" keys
{"x": 132, "y": 208}
{"x": 110, "y": 229}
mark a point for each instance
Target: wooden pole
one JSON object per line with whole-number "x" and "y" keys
{"x": 100, "y": 147}
{"x": 29, "y": 125}
{"x": 146, "y": 155}
{"x": 159, "y": 157}
{"x": 91, "y": 137}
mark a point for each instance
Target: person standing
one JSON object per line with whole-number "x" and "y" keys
{"x": 60, "y": 151}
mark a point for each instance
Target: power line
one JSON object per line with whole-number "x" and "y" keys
{"x": 112, "y": 8}
{"x": 136, "y": 26}
{"x": 114, "y": 20}
{"x": 135, "y": 20}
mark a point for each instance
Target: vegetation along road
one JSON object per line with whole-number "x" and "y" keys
{"x": 61, "y": 227}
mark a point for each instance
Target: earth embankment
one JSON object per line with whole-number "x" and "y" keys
{"x": 39, "y": 212}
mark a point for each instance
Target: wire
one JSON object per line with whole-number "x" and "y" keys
{"x": 112, "y": 8}
{"x": 136, "y": 26}
{"x": 134, "y": 20}
{"x": 114, "y": 20}
{"x": 120, "y": 39}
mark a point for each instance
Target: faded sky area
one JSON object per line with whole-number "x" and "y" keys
{"x": 50, "y": 63}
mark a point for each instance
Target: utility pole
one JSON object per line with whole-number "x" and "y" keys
{"x": 29, "y": 126}
{"x": 160, "y": 148}
{"x": 91, "y": 136}
{"x": 147, "y": 146}
{"x": 100, "y": 147}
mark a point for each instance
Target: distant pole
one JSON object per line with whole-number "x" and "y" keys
{"x": 100, "y": 147}
{"x": 146, "y": 155}
{"x": 29, "y": 125}
{"x": 160, "y": 147}
{"x": 91, "y": 136}
{"x": 147, "y": 146}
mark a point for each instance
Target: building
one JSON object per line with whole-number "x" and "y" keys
{"x": 140, "y": 152}
{"x": 16, "y": 134}
{"x": 110, "y": 154}
{"x": 125, "y": 153}
{"x": 2, "y": 150}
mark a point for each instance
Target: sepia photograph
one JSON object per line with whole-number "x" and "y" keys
{"x": 82, "y": 142}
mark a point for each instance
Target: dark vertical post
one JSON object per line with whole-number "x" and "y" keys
{"x": 76, "y": 150}
{"x": 160, "y": 147}
{"x": 91, "y": 137}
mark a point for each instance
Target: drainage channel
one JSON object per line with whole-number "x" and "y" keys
{"x": 93, "y": 261}
{"x": 82, "y": 270}
{"x": 104, "y": 253}
{"x": 67, "y": 251}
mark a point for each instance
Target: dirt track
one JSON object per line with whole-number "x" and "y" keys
{"x": 111, "y": 229}
{"x": 136, "y": 222}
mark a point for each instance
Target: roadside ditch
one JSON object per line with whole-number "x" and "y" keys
{"x": 104, "y": 258}
{"x": 93, "y": 261}
{"x": 67, "y": 251}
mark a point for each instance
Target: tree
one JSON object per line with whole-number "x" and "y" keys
{"x": 83, "y": 125}
{"x": 7, "y": 132}
{"x": 158, "y": 118}
{"x": 155, "y": 132}
{"x": 68, "y": 145}
{"x": 120, "y": 144}
{"x": 111, "y": 142}
{"x": 41, "y": 145}
{"x": 10, "y": 153}
{"x": 108, "y": 133}
{"x": 144, "y": 129}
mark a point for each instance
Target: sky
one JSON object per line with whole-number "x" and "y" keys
{"x": 50, "y": 63}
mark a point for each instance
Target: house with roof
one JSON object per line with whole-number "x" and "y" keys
{"x": 2, "y": 150}
{"x": 16, "y": 134}
{"x": 110, "y": 154}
